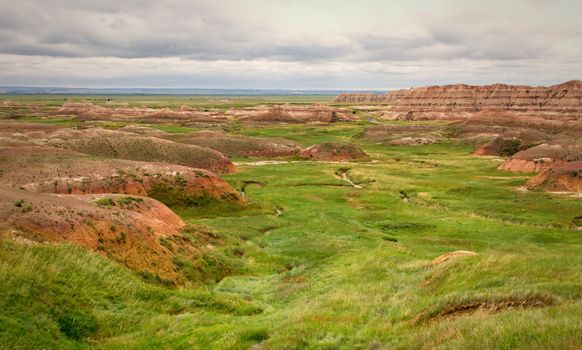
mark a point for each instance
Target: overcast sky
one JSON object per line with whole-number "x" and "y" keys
{"x": 289, "y": 44}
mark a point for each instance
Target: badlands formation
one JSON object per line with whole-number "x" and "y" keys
{"x": 564, "y": 98}
{"x": 538, "y": 128}
{"x": 253, "y": 222}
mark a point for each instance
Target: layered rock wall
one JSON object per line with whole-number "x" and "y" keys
{"x": 565, "y": 97}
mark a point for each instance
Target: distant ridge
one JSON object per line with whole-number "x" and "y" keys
{"x": 564, "y": 97}
{"x": 30, "y": 90}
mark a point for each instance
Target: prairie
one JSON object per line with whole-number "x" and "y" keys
{"x": 313, "y": 261}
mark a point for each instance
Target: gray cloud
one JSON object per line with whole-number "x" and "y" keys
{"x": 370, "y": 36}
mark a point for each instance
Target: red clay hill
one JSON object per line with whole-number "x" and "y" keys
{"x": 110, "y": 205}
{"x": 543, "y": 157}
{"x": 561, "y": 178}
{"x": 50, "y": 169}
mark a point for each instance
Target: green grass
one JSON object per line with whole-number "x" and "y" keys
{"x": 169, "y": 101}
{"x": 324, "y": 265}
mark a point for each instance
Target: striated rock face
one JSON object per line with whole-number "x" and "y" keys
{"x": 565, "y": 98}
{"x": 561, "y": 178}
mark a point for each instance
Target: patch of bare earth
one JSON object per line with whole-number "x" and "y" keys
{"x": 565, "y": 177}
{"x": 486, "y": 307}
{"x": 453, "y": 255}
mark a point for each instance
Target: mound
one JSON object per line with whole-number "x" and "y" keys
{"x": 239, "y": 146}
{"x": 510, "y": 143}
{"x": 410, "y": 141}
{"x": 424, "y": 115}
{"x": 144, "y": 130}
{"x": 497, "y": 122}
{"x": 333, "y": 152}
{"x": 129, "y": 229}
{"x": 54, "y": 170}
{"x": 560, "y": 178}
{"x": 272, "y": 115}
{"x": 289, "y": 114}
{"x": 151, "y": 149}
{"x": 22, "y": 132}
{"x": 382, "y": 133}
{"x": 542, "y": 157}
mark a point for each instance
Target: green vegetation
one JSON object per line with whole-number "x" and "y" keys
{"x": 169, "y": 101}
{"x": 321, "y": 264}
{"x": 123, "y": 201}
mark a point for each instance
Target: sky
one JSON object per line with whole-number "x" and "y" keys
{"x": 295, "y": 44}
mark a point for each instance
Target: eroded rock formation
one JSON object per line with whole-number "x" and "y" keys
{"x": 565, "y": 177}
{"x": 563, "y": 98}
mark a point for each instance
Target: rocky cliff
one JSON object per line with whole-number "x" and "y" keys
{"x": 565, "y": 97}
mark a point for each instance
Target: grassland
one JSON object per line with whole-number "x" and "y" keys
{"x": 325, "y": 265}
{"x": 171, "y": 101}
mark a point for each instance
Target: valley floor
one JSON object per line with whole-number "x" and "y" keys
{"x": 326, "y": 263}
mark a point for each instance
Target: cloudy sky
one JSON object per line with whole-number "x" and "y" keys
{"x": 289, "y": 44}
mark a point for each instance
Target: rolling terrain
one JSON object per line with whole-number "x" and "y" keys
{"x": 287, "y": 223}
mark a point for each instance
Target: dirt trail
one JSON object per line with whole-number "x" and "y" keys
{"x": 347, "y": 179}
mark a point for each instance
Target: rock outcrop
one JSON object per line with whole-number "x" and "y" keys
{"x": 289, "y": 114}
{"x": 129, "y": 229}
{"x": 543, "y": 157}
{"x": 563, "y": 98}
{"x": 565, "y": 177}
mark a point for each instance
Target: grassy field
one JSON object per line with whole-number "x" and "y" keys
{"x": 170, "y": 101}
{"x": 326, "y": 265}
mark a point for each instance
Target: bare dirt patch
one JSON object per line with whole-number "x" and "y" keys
{"x": 453, "y": 255}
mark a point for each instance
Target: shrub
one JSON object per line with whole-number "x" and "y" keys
{"x": 77, "y": 324}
